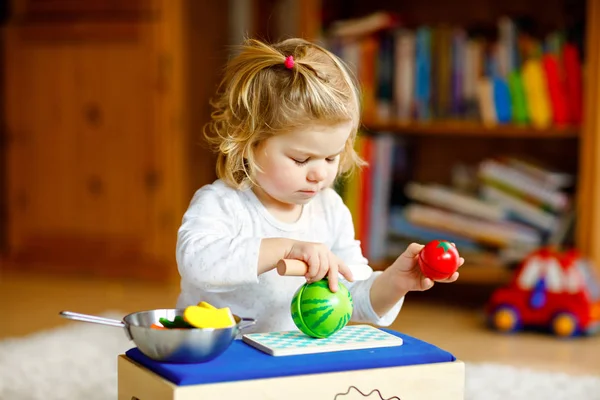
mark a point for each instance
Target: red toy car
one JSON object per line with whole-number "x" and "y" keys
{"x": 550, "y": 290}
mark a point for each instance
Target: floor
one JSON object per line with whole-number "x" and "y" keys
{"x": 34, "y": 301}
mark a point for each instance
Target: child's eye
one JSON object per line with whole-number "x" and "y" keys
{"x": 300, "y": 162}
{"x": 331, "y": 159}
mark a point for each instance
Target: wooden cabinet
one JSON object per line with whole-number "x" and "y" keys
{"x": 105, "y": 104}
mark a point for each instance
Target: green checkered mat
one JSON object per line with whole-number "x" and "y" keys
{"x": 352, "y": 337}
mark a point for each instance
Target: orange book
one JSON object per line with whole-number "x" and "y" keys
{"x": 352, "y": 189}
{"x": 366, "y": 195}
{"x": 367, "y": 71}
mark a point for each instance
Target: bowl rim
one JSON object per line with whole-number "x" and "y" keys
{"x": 179, "y": 312}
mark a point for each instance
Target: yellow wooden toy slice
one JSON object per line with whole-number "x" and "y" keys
{"x": 201, "y": 317}
{"x": 206, "y": 305}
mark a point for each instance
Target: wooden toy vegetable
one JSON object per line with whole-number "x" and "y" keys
{"x": 316, "y": 310}
{"x": 438, "y": 260}
{"x": 177, "y": 323}
{"x": 203, "y": 317}
{"x": 319, "y": 312}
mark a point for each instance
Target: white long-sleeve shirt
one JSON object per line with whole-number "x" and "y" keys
{"x": 217, "y": 255}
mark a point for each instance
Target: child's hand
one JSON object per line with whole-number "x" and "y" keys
{"x": 408, "y": 274}
{"x": 321, "y": 261}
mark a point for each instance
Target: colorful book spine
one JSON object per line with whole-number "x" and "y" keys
{"x": 556, "y": 90}
{"x": 518, "y": 100}
{"x": 534, "y": 82}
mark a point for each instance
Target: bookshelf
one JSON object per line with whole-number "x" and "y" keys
{"x": 571, "y": 147}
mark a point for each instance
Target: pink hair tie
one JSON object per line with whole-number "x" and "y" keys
{"x": 289, "y": 62}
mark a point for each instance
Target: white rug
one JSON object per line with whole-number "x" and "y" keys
{"x": 79, "y": 362}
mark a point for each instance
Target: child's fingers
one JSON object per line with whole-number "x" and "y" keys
{"x": 413, "y": 250}
{"x": 346, "y": 272}
{"x": 450, "y": 279}
{"x": 453, "y": 277}
{"x": 314, "y": 265}
{"x": 323, "y": 268}
{"x": 426, "y": 284}
{"x": 332, "y": 276}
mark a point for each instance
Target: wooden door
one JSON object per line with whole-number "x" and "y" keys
{"x": 83, "y": 155}
{"x": 105, "y": 102}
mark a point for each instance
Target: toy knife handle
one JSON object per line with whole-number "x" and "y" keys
{"x": 291, "y": 267}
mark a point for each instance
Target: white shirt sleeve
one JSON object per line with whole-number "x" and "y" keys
{"x": 348, "y": 249}
{"x": 210, "y": 252}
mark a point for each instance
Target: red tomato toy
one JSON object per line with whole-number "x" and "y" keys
{"x": 438, "y": 260}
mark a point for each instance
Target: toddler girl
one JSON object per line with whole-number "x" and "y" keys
{"x": 284, "y": 123}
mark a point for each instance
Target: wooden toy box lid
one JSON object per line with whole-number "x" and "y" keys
{"x": 243, "y": 362}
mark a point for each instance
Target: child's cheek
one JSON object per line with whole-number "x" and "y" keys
{"x": 287, "y": 178}
{"x": 333, "y": 172}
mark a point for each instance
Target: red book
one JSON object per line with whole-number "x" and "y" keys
{"x": 573, "y": 82}
{"x": 556, "y": 89}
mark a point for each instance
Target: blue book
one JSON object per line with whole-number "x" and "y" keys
{"x": 502, "y": 100}
{"x": 423, "y": 73}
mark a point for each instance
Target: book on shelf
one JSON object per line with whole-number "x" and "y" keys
{"x": 520, "y": 210}
{"x": 522, "y": 185}
{"x": 445, "y": 197}
{"x": 443, "y": 72}
{"x": 492, "y": 233}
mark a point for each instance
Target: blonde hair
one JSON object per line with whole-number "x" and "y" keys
{"x": 260, "y": 97}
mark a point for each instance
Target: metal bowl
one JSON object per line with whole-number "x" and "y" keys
{"x": 192, "y": 345}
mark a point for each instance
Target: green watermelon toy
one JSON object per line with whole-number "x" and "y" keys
{"x": 319, "y": 312}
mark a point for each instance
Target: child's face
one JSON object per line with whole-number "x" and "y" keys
{"x": 298, "y": 164}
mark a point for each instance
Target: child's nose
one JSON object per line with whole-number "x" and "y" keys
{"x": 316, "y": 174}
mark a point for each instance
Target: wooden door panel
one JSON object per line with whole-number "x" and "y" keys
{"x": 115, "y": 107}
{"x": 104, "y": 121}
{"x": 43, "y": 162}
{"x": 81, "y": 155}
